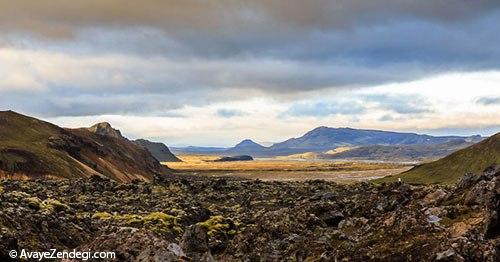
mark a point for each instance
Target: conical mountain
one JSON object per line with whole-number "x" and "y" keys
{"x": 248, "y": 144}
{"x": 246, "y": 147}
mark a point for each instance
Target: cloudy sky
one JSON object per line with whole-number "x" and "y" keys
{"x": 198, "y": 72}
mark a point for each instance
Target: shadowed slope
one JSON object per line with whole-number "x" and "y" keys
{"x": 159, "y": 150}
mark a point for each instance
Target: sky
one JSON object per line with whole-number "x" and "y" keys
{"x": 212, "y": 73}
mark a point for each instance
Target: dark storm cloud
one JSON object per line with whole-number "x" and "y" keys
{"x": 90, "y": 105}
{"x": 58, "y": 18}
{"x": 194, "y": 52}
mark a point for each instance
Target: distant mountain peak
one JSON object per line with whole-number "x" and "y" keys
{"x": 248, "y": 143}
{"x": 320, "y": 128}
{"x": 105, "y": 129}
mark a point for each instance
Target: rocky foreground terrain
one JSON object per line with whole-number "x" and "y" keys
{"x": 204, "y": 219}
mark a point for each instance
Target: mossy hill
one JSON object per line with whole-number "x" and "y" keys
{"x": 473, "y": 159}
{"x": 32, "y": 148}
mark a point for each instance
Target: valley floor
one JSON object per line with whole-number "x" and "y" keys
{"x": 227, "y": 219}
{"x": 286, "y": 170}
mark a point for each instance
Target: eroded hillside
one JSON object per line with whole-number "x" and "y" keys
{"x": 31, "y": 148}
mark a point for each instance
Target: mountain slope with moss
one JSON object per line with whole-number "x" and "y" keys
{"x": 31, "y": 148}
{"x": 474, "y": 159}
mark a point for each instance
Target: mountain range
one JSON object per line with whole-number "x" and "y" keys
{"x": 399, "y": 153}
{"x": 368, "y": 144}
{"x": 32, "y": 148}
{"x": 326, "y": 138}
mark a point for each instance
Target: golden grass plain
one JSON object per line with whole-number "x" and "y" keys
{"x": 276, "y": 169}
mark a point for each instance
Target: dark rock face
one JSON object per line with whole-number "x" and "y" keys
{"x": 206, "y": 219}
{"x": 195, "y": 243}
{"x": 132, "y": 244}
{"x": 234, "y": 158}
{"x": 159, "y": 150}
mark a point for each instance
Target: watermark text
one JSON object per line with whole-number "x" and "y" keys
{"x": 54, "y": 254}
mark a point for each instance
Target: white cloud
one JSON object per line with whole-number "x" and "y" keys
{"x": 452, "y": 99}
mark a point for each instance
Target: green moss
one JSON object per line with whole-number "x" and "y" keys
{"x": 28, "y": 150}
{"x": 53, "y": 205}
{"x": 159, "y": 190}
{"x": 175, "y": 188}
{"x": 102, "y": 215}
{"x": 18, "y": 196}
{"x": 34, "y": 202}
{"x": 450, "y": 169}
{"x": 214, "y": 225}
{"x": 162, "y": 222}
{"x": 156, "y": 221}
{"x": 158, "y": 216}
{"x": 130, "y": 219}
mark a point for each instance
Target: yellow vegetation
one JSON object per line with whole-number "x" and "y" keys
{"x": 282, "y": 169}
{"x": 156, "y": 221}
{"x": 53, "y": 205}
{"x": 214, "y": 224}
{"x": 102, "y": 215}
{"x": 337, "y": 150}
{"x": 202, "y": 162}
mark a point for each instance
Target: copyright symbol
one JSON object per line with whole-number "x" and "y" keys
{"x": 13, "y": 254}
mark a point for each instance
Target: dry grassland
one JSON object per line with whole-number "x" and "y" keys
{"x": 285, "y": 170}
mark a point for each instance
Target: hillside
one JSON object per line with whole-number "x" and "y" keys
{"x": 405, "y": 153}
{"x": 31, "y": 148}
{"x": 159, "y": 150}
{"x": 473, "y": 159}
